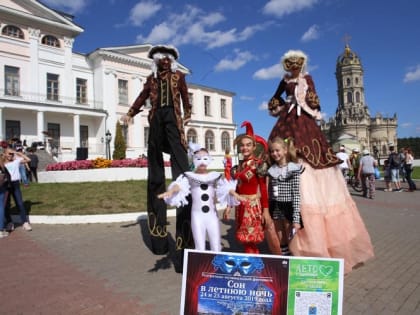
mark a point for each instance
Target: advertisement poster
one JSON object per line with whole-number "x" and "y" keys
{"x": 227, "y": 283}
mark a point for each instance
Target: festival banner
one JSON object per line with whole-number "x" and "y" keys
{"x": 226, "y": 283}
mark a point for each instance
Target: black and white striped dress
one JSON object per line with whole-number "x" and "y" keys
{"x": 284, "y": 191}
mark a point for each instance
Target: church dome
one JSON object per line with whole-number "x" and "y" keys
{"x": 348, "y": 57}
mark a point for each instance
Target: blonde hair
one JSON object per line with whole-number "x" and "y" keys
{"x": 288, "y": 144}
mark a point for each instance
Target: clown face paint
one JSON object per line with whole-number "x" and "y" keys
{"x": 201, "y": 158}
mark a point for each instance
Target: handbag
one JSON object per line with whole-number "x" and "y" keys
{"x": 376, "y": 173}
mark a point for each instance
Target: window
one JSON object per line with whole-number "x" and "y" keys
{"x": 146, "y": 136}
{"x": 12, "y": 129}
{"x": 357, "y": 81}
{"x": 84, "y": 136}
{"x": 349, "y": 97}
{"x": 50, "y": 40}
{"x": 225, "y": 141}
{"x": 54, "y": 133}
{"x": 223, "y": 108}
{"x": 123, "y": 91}
{"x": 11, "y": 81}
{"x": 12, "y": 31}
{"x": 192, "y": 136}
{"x": 357, "y": 97}
{"x": 191, "y": 100}
{"x": 348, "y": 81}
{"x": 209, "y": 139}
{"x": 52, "y": 87}
{"x": 207, "y": 105}
{"x": 81, "y": 91}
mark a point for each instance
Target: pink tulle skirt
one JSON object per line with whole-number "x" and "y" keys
{"x": 332, "y": 224}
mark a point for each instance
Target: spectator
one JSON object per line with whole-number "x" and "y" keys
{"x": 12, "y": 161}
{"x": 408, "y": 165}
{"x": 355, "y": 160}
{"x": 367, "y": 174}
{"x": 23, "y": 167}
{"x": 33, "y": 165}
{"x": 402, "y": 165}
{"x": 345, "y": 164}
{"x": 395, "y": 162}
{"x": 387, "y": 176}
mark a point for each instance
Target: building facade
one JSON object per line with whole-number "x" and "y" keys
{"x": 70, "y": 100}
{"x": 352, "y": 124}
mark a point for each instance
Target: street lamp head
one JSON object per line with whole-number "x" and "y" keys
{"x": 108, "y": 136}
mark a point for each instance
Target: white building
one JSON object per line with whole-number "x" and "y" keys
{"x": 69, "y": 100}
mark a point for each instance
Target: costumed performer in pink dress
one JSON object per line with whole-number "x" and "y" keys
{"x": 332, "y": 223}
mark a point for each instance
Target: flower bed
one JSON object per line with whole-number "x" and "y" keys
{"x": 98, "y": 163}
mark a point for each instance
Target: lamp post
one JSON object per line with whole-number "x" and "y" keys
{"x": 108, "y": 138}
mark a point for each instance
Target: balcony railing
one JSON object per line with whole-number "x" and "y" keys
{"x": 29, "y": 97}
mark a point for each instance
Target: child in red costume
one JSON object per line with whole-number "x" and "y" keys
{"x": 252, "y": 212}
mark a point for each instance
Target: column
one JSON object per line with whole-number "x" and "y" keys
{"x": 40, "y": 125}
{"x": 136, "y": 129}
{"x": 33, "y": 88}
{"x": 76, "y": 132}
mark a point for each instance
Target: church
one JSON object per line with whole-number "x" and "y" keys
{"x": 352, "y": 125}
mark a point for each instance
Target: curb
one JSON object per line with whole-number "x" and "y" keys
{"x": 86, "y": 219}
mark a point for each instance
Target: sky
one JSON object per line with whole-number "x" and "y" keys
{"x": 237, "y": 45}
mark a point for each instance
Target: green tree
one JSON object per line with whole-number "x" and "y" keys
{"x": 119, "y": 144}
{"x": 412, "y": 143}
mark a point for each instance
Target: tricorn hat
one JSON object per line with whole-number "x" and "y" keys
{"x": 165, "y": 49}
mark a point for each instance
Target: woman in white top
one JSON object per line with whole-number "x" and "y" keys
{"x": 408, "y": 165}
{"x": 12, "y": 162}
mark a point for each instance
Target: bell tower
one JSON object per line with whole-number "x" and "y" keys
{"x": 352, "y": 121}
{"x": 352, "y": 113}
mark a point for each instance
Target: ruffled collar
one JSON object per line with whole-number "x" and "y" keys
{"x": 203, "y": 178}
{"x": 283, "y": 172}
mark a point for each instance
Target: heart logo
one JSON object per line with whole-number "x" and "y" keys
{"x": 325, "y": 270}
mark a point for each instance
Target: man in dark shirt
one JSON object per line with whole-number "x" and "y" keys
{"x": 33, "y": 165}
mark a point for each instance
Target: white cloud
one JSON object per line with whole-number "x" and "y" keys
{"x": 162, "y": 33}
{"x": 311, "y": 34}
{"x": 275, "y": 71}
{"x": 280, "y": 8}
{"x": 193, "y": 26}
{"x": 263, "y": 106}
{"x": 67, "y": 6}
{"x": 247, "y": 98}
{"x": 413, "y": 75}
{"x": 405, "y": 125}
{"x": 142, "y": 11}
{"x": 239, "y": 60}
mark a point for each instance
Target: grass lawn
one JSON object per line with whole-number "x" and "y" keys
{"x": 92, "y": 198}
{"x": 84, "y": 198}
